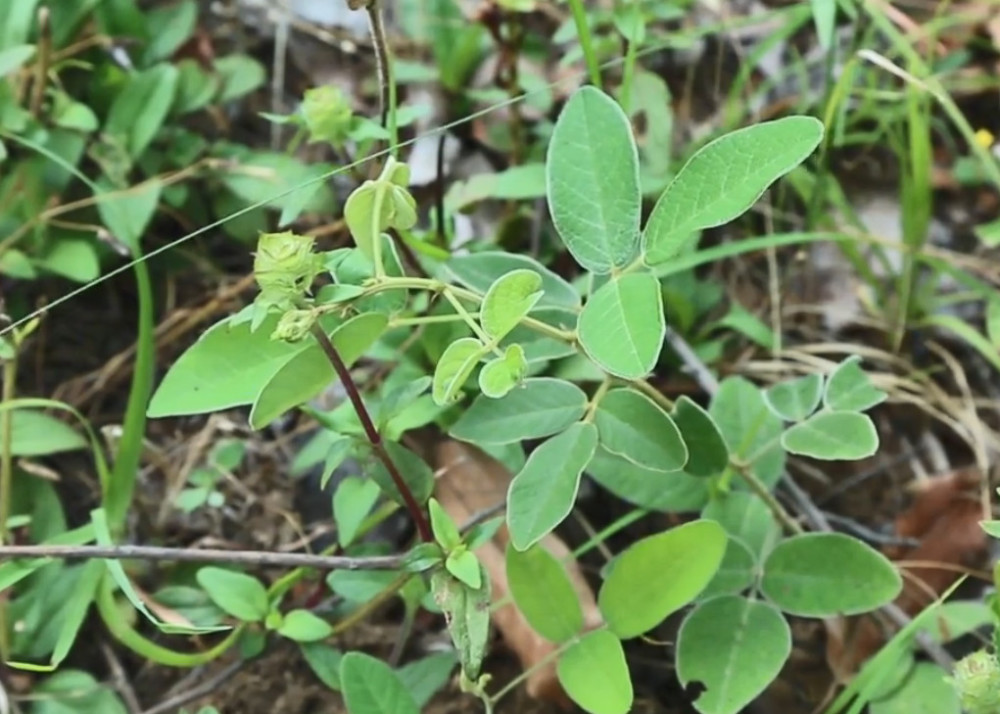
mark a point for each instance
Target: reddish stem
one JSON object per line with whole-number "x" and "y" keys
{"x": 374, "y": 438}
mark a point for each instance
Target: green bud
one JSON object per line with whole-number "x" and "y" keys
{"x": 327, "y": 114}
{"x": 977, "y": 679}
{"x": 294, "y": 325}
{"x": 395, "y": 172}
{"x": 285, "y": 267}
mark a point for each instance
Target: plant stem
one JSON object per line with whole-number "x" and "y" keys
{"x": 44, "y": 60}
{"x": 762, "y": 492}
{"x": 586, "y": 41}
{"x": 374, "y": 438}
{"x": 6, "y": 441}
{"x": 386, "y": 79}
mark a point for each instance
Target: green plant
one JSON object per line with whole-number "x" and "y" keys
{"x": 498, "y": 324}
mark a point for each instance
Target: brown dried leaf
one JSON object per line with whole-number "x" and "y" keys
{"x": 470, "y": 482}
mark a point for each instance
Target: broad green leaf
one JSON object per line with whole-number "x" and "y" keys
{"x": 445, "y": 531}
{"x": 516, "y": 183}
{"x": 508, "y": 301}
{"x": 352, "y": 502}
{"x": 826, "y": 574}
{"x": 13, "y": 58}
{"x": 749, "y": 427}
{"x": 648, "y": 489}
{"x": 849, "y": 388}
{"x": 707, "y": 452}
{"x": 371, "y": 687}
{"x": 72, "y": 691}
{"x": 309, "y": 372}
{"x": 593, "y": 181}
{"x": 631, "y": 425}
{"x": 240, "y": 74}
{"x": 735, "y": 574}
{"x": 467, "y": 613}
{"x": 35, "y": 433}
{"x": 128, "y": 215}
{"x": 543, "y": 593}
{"x": 733, "y": 646}
{"x": 360, "y": 586}
{"x": 303, "y": 626}
{"x": 463, "y": 565}
{"x": 595, "y": 675}
{"x": 926, "y": 690}
{"x": 359, "y": 213}
{"x": 833, "y": 436}
{"x": 141, "y": 107}
{"x": 71, "y": 255}
{"x": 746, "y": 517}
{"x": 478, "y": 271}
{"x": 424, "y": 677}
{"x": 454, "y": 368}
{"x": 242, "y": 596}
{"x": 502, "y": 374}
{"x": 724, "y": 179}
{"x": 992, "y": 528}
{"x": 174, "y": 25}
{"x": 543, "y": 493}
{"x": 660, "y": 574}
{"x": 795, "y": 399}
{"x": 227, "y": 367}
{"x": 413, "y": 469}
{"x": 622, "y": 325}
{"x": 324, "y": 661}
{"x": 539, "y": 407}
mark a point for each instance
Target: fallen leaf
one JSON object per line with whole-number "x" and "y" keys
{"x": 469, "y": 482}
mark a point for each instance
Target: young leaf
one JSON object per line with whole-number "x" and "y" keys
{"x": 242, "y": 596}
{"x": 309, "y": 372}
{"x": 463, "y": 565}
{"x": 826, "y": 574}
{"x": 849, "y": 388}
{"x": 707, "y": 452}
{"x": 352, "y": 502}
{"x": 543, "y": 593}
{"x": 622, "y": 325}
{"x": 35, "y": 433}
{"x": 724, "y": 179}
{"x": 500, "y": 375}
{"x": 592, "y": 171}
{"x": 371, "y": 687}
{"x": 795, "y": 399}
{"x": 324, "y": 661}
{"x": 543, "y": 493}
{"x": 636, "y": 597}
{"x": 595, "y": 675}
{"x": 539, "y": 407}
{"x": 479, "y": 271}
{"x": 733, "y": 646}
{"x": 445, "y": 531}
{"x": 508, "y": 301}
{"x": 746, "y": 517}
{"x": 735, "y": 574}
{"x": 833, "y": 436}
{"x": 303, "y": 626}
{"x": 631, "y": 425}
{"x": 359, "y": 214}
{"x": 141, "y": 107}
{"x": 467, "y": 613}
{"x": 454, "y": 368}
{"x": 748, "y": 426}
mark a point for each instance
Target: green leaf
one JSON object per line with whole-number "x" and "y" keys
{"x": 517, "y": 183}
{"x": 825, "y": 18}
{"x": 833, "y": 436}
{"x": 13, "y": 58}
{"x": 478, "y": 271}
{"x": 543, "y": 493}
{"x": 749, "y": 427}
{"x": 141, "y": 107}
{"x": 543, "y": 593}
{"x": 735, "y": 574}
{"x": 35, "y": 433}
{"x": 371, "y": 687}
{"x": 240, "y": 74}
{"x": 746, "y": 517}
{"x": 445, "y": 531}
{"x": 359, "y": 213}
{"x": 733, "y": 646}
{"x": 926, "y": 690}
{"x": 508, "y": 301}
{"x": 708, "y": 454}
{"x": 309, "y": 372}
{"x": 463, "y": 565}
{"x": 324, "y": 661}
{"x": 352, "y": 502}
{"x": 826, "y": 574}
{"x": 71, "y": 691}
{"x": 593, "y": 181}
{"x": 128, "y": 215}
{"x": 647, "y": 489}
{"x": 539, "y": 407}
{"x": 242, "y": 596}
{"x": 638, "y": 594}
{"x": 174, "y": 24}
{"x": 993, "y": 320}
{"x": 849, "y": 388}
{"x": 631, "y": 425}
{"x": 426, "y": 676}
{"x": 414, "y": 470}
{"x": 454, "y": 368}
{"x": 795, "y": 399}
{"x": 595, "y": 675}
{"x": 622, "y": 325}
{"x": 500, "y": 375}
{"x": 303, "y": 626}
{"x": 467, "y": 613}
{"x": 724, "y": 179}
